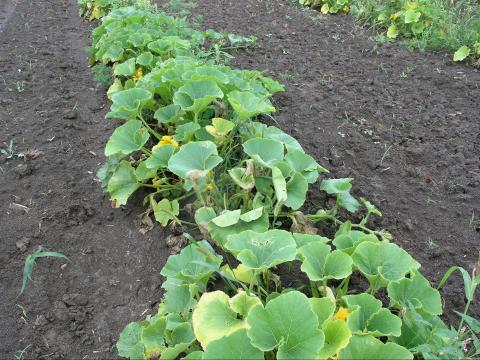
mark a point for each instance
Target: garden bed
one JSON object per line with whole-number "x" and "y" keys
{"x": 404, "y": 125}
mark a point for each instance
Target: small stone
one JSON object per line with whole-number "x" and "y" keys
{"x": 22, "y": 244}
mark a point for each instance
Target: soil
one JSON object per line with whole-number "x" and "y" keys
{"x": 403, "y": 124}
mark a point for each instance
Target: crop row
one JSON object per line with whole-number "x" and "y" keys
{"x": 191, "y": 142}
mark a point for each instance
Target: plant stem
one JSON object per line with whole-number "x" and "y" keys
{"x": 313, "y": 287}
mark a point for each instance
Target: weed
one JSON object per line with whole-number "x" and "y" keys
{"x": 30, "y": 263}
{"x": 103, "y": 75}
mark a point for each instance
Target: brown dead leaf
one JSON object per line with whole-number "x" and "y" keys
{"x": 302, "y": 225}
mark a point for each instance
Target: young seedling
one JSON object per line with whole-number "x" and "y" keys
{"x": 30, "y": 263}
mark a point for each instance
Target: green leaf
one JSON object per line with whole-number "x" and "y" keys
{"x": 186, "y": 132}
{"x": 169, "y": 114}
{"x": 220, "y": 128}
{"x": 412, "y": 16}
{"x": 261, "y": 251}
{"x": 320, "y": 264}
{"x": 280, "y": 186}
{"x": 145, "y": 59}
{"x": 242, "y": 178}
{"x": 114, "y": 53}
{"x": 348, "y": 241}
{"x": 165, "y": 211}
{"x": 122, "y": 184}
{"x": 368, "y": 316}
{"x": 152, "y": 337}
{"x": 179, "y": 298}
{"x": 304, "y": 164}
{"x": 252, "y": 214}
{"x": 127, "y": 138}
{"x": 392, "y": 31}
{"x": 461, "y": 54}
{"x": 369, "y": 348}
{"x": 194, "y": 160}
{"x": 143, "y": 173}
{"x": 336, "y": 186}
{"x": 126, "y": 68}
{"x": 233, "y": 346}
{"x": 297, "y": 188}
{"x": 323, "y": 308}
{"x": 304, "y": 239}
{"x": 160, "y": 157}
{"x": 194, "y": 265}
{"x": 214, "y": 318}
{"x": 415, "y": 291}
{"x": 227, "y": 218}
{"x": 129, "y": 344}
{"x": 197, "y": 95}
{"x": 383, "y": 262}
{"x": 286, "y": 323}
{"x": 266, "y": 152}
{"x": 337, "y": 337}
{"x": 127, "y": 103}
{"x": 221, "y": 234}
{"x": 247, "y": 105}
{"x": 30, "y": 264}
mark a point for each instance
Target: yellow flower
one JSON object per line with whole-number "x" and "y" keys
{"x": 346, "y": 9}
{"x": 209, "y": 187}
{"x": 165, "y": 140}
{"x": 138, "y": 75}
{"x": 394, "y": 16}
{"x": 341, "y": 314}
{"x": 156, "y": 182}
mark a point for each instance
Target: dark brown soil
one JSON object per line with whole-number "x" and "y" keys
{"x": 74, "y": 311}
{"x": 348, "y": 100}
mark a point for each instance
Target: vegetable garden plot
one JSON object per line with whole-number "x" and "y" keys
{"x": 260, "y": 230}
{"x": 210, "y": 148}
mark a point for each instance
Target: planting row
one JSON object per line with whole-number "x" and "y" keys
{"x": 438, "y": 24}
{"x": 191, "y": 142}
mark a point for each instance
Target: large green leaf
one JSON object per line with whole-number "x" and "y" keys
{"x": 341, "y": 188}
{"x": 153, "y": 337}
{"x": 266, "y": 152}
{"x": 220, "y": 234}
{"x": 168, "y": 114}
{"x": 126, "y": 68}
{"x": 304, "y": 164}
{"x": 127, "y": 138}
{"x": 368, "y": 316}
{"x": 194, "y": 265}
{"x": 320, "y": 264}
{"x": 197, "y": 95}
{"x": 166, "y": 210}
{"x": 122, "y": 184}
{"x": 297, "y": 188}
{"x": 348, "y": 241}
{"x": 286, "y": 323}
{"x": 194, "y": 160}
{"x": 416, "y": 292}
{"x": 236, "y": 345}
{"x": 369, "y": 348}
{"x": 130, "y": 344}
{"x": 261, "y": 251}
{"x": 160, "y": 157}
{"x": 127, "y": 103}
{"x": 214, "y": 317}
{"x": 337, "y": 337}
{"x": 383, "y": 262}
{"x": 246, "y": 104}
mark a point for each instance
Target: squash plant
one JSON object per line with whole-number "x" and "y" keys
{"x": 328, "y": 6}
{"x": 189, "y": 132}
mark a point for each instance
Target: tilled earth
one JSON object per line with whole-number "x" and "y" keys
{"x": 404, "y": 124}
